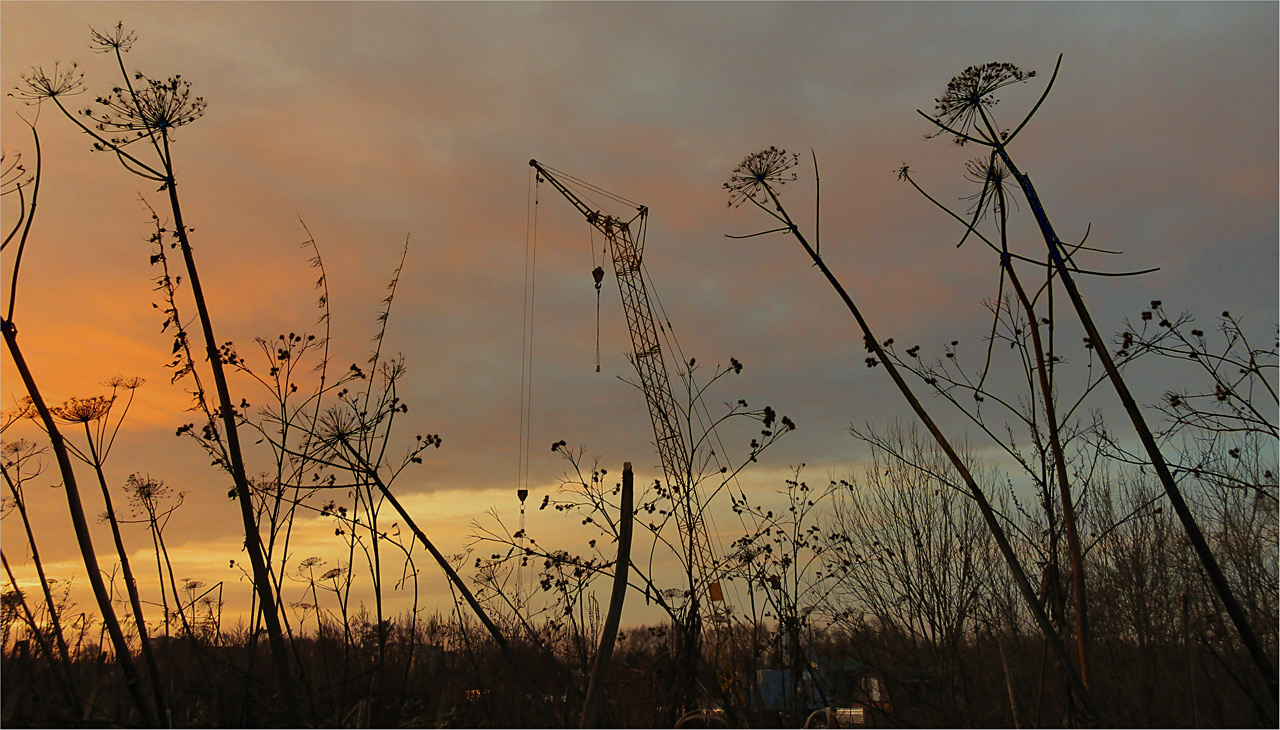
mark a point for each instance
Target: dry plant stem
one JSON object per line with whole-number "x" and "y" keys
{"x": 1186, "y": 645}
{"x": 595, "y": 690}
{"x": 253, "y": 541}
{"x": 26, "y": 221}
{"x": 64, "y": 654}
{"x": 158, "y": 136}
{"x": 26, "y": 218}
{"x": 524, "y": 677}
{"x": 164, "y": 597}
{"x": 131, "y": 586}
{"x": 988, "y": 512}
{"x": 1265, "y": 666}
{"x": 1008, "y": 683}
{"x": 66, "y": 684}
{"x": 1074, "y": 552}
{"x": 27, "y": 615}
{"x": 182, "y": 614}
{"x": 162, "y": 550}
{"x": 81, "y": 525}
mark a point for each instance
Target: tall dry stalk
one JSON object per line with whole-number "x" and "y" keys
{"x": 16, "y": 454}
{"x": 993, "y": 197}
{"x": 756, "y": 180}
{"x": 146, "y": 112}
{"x": 604, "y": 654}
{"x": 94, "y": 414}
{"x": 65, "y": 83}
{"x": 964, "y": 112}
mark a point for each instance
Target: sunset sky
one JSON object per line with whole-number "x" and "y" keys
{"x": 377, "y": 123}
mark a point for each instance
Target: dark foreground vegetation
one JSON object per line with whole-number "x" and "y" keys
{"x": 1086, "y": 574}
{"x": 442, "y": 673}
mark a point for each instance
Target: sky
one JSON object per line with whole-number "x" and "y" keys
{"x": 381, "y": 125}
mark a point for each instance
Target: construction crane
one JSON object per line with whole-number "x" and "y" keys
{"x": 626, "y": 246}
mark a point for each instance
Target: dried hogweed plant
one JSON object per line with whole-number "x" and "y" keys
{"x": 140, "y": 109}
{"x": 969, "y": 100}
{"x": 58, "y": 84}
{"x": 754, "y": 177}
{"x": 20, "y": 463}
{"x": 964, "y": 111}
{"x": 93, "y": 414}
{"x": 745, "y": 186}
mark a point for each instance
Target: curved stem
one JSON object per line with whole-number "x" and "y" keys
{"x": 984, "y": 505}
{"x": 372, "y": 474}
{"x": 73, "y": 692}
{"x": 1074, "y": 552}
{"x": 111, "y": 623}
{"x": 1266, "y": 668}
{"x": 26, "y": 226}
{"x": 131, "y": 585}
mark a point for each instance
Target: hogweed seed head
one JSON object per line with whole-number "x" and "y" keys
{"x": 83, "y": 410}
{"x": 114, "y": 40}
{"x": 757, "y": 172}
{"x": 986, "y": 171}
{"x": 123, "y": 383}
{"x": 146, "y": 492}
{"x": 961, "y": 105}
{"x": 39, "y": 84}
{"x": 994, "y": 177}
{"x": 151, "y": 107}
{"x": 24, "y": 408}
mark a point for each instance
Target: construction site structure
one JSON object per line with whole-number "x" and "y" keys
{"x": 626, "y": 247}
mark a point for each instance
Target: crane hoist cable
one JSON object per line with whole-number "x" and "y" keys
{"x": 584, "y": 185}
{"x": 597, "y": 273}
{"x": 527, "y": 332}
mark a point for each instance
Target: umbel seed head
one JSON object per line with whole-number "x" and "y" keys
{"x": 961, "y": 106}
{"x": 757, "y": 173}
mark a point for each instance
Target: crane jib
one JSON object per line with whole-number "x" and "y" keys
{"x": 673, "y": 450}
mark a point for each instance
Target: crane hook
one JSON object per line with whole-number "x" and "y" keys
{"x": 598, "y": 274}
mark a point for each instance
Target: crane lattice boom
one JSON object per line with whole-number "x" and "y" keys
{"x": 627, "y": 251}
